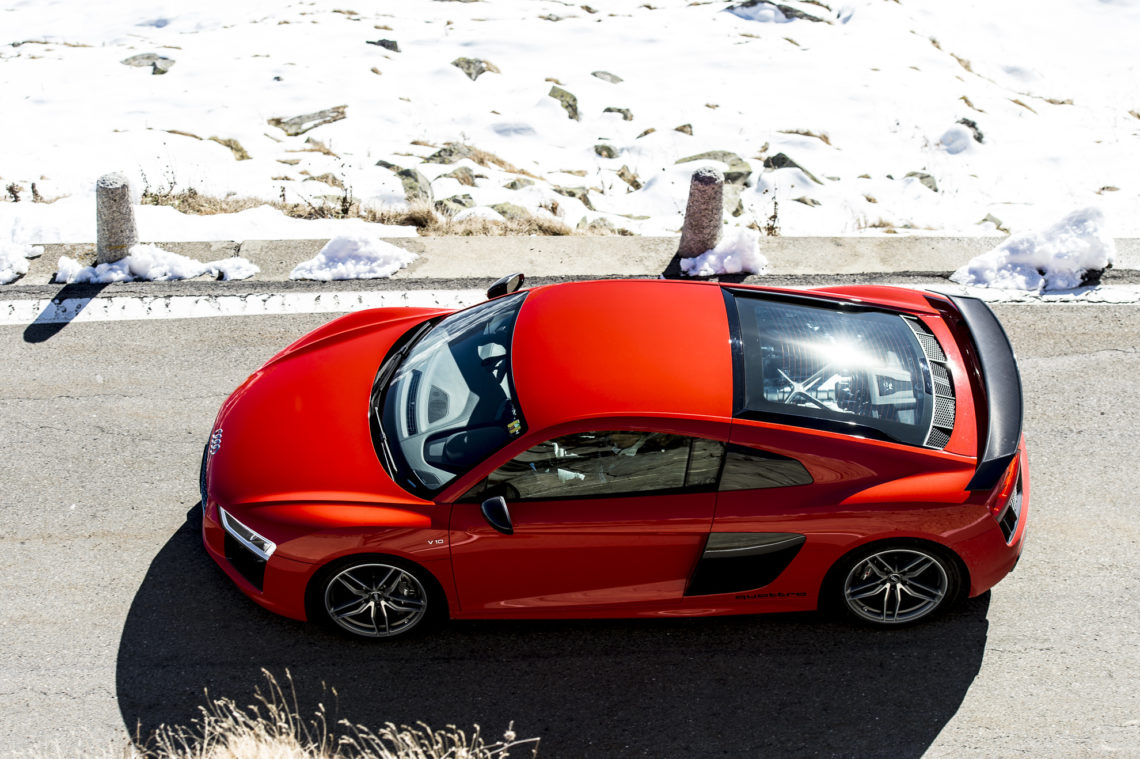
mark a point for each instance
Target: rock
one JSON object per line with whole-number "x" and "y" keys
{"x": 464, "y": 175}
{"x": 927, "y": 180}
{"x": 510, "y": 211}
{"x": 449, "y": 153}
{"x": 648, "y": 131}
{"x": 568, "y": 101}
{"x": 781, "y": 161}
{"x": 990, "y": 218}
{"x": 386, "y": 44}
{"x": 416, "y": 185}
{"x": 605, "y": 151}
{"x": 739, "y": 171}
{"x": 578, "y": 193}
{"x": 518, "y": 183}
{"x": 629, "y": 177}
{"x": 304, "y": 123}
{"x": 145, "y": 60}
{"x": 606, "y": 76}
{"x": 157, "y": 64}
{"x": 454, "y": 204}
{"x": 730, "y": 199}
{"x": 684, "y": 129}
{"x": 626, "y": 114}
{"x": 810, "y": 202}
{"x": 475, "y": 67}
{"x": 973, "y": 127}
{"x": 598, "y": 226}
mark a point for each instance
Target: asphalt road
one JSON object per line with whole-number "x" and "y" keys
{"x": 113, "y": 620}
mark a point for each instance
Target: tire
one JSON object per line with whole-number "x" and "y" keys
{"x": 375, "y": 597}
{"x": 895, "y": 584}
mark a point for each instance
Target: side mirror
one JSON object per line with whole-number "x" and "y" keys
{"x": 506, "y": 285}
{"x": 496, "y": 513}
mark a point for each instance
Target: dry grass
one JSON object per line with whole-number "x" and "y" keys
{"x": 235, "y": 147}
{"x": 821, "y": 136}
{"x": 963, "y": 62}
{"x": 273, "y": 728}
{"x": 420, "y": 214}
{"x": 315, "y": 146}
{"x": 485, "y": 158}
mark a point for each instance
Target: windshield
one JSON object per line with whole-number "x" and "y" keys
{"x": 862, "y": 372}
{"x": 450, "y": 402}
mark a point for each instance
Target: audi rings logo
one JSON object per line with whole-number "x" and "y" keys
{"x": 215, "y": 442}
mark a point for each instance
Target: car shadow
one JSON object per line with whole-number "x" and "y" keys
{"x": 775, "y": 685}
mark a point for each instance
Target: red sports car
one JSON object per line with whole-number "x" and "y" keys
{"x": 647, "y": 448}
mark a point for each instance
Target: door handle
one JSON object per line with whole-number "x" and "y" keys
{"x": 497, "y": 515}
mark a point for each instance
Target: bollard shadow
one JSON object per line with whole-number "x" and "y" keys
{"x": 61, "y": 310}
{"x": 775, "y": 685}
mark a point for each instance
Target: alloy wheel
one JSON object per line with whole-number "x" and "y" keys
{"x": 375, "y": 600}
{"x": 897, "y": 585}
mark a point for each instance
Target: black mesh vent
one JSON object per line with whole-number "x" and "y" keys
{"x": 202, "y": 478}
{"x": 944, "y": 412}
{"x": 413, "y": 393}
{"x": 942, "y": 385}
{"x": 248, "y": 564}
{"x": 937, "y": 439}
{"x": 926, "y": 339}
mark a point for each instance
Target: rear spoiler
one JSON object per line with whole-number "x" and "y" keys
{"x": 1002, "y": 384}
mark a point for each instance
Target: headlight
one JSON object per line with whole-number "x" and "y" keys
{"x": 262, "y": 546}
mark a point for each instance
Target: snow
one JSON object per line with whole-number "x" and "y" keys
{"x": 1056, "y": 258}
{"x": 151, "y": 263}
{"x": 354, "y": 257}
{"x": 737, "y": 252}
{"x": 14, "y": 259}
{"x": 874, "y": 92}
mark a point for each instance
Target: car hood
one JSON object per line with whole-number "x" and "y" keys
{"x": 297, "y": 429}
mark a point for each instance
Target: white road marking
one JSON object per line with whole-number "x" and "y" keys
{"x": 135, "y": 307}
{"x": 142, "y": 307}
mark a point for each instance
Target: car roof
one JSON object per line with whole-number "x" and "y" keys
{"x": 622, "y": 348}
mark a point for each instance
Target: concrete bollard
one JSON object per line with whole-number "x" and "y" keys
{"x": 115, "y": 218}
{"x": 701, "y": 229}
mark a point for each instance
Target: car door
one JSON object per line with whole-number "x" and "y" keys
{"x": 596, "y": 519}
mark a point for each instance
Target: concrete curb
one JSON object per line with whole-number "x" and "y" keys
{"x": 483, "y": 257}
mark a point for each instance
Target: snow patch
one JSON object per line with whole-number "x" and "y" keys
{"x": 957, "y": 139}
{"x": 1057, "y": 258}
{"x": 354, "y": 257}
{"x": 14, "y": 260}
{"x": 737, "y": 252}
{"x": 762, "y": 12}
{"x": 150, "y": 263}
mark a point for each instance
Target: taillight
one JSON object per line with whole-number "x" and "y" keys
{"x": 1001, "y": 498}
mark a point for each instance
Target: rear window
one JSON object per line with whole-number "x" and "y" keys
{"x": 859, "y": 371}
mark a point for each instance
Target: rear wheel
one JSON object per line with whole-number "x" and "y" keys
{"x": 890, "y": 585}
{"x": 375, "y": 597}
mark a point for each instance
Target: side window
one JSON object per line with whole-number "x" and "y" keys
{"x": 598, "y": 464}
{"x": 751, "y": 469}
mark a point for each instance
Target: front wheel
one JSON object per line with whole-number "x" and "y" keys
{"x": 375, "y": 597}
{"x": 897, "y": 585}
